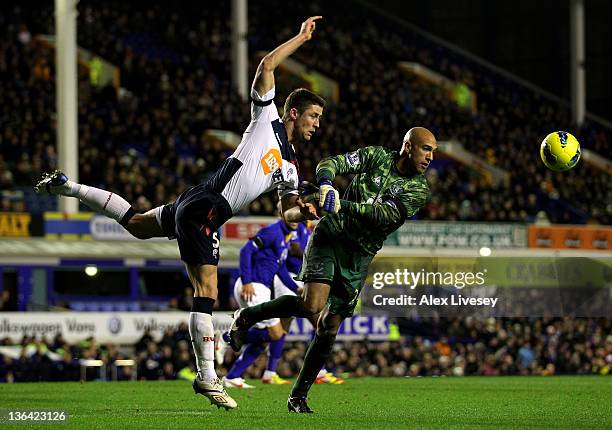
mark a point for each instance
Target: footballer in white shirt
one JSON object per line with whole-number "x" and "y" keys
{"x": 264, "y": 160}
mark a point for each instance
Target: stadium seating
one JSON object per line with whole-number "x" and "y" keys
{"x": 177, "y": 85}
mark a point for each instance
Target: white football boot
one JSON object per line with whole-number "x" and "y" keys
{"x": 215, "y": 392}
{"x": 52, "y": 183}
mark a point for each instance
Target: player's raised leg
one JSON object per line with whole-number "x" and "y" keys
{"x": 310, "y": 303}
{"x": 141, "y": 226}
{"x": 101, "y": 201}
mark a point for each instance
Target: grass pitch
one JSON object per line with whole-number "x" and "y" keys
{"x": 372, "y": 403}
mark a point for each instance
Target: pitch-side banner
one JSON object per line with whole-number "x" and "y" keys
{"x": 20, "y": 224}
{"x": 87, "y": 225}
{"x": 571, "y": 237}
{"x": 129, "y": 327}
{"x": 438, "y": 234}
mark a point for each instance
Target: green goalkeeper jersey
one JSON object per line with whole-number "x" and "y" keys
{"x": 378, "y": 200}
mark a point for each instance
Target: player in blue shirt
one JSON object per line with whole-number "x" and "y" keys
{"x": 294, "y": 266}
{"x": 262, "y": 260}
{"x": 297, "y": 247}
{"x": 272, "y": 257}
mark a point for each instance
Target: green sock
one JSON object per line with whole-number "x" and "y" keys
{"x": 282, "y": 307}
{"x": 316, "y": 356}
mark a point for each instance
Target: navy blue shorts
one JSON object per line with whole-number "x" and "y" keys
{"x": 193, "y": 219}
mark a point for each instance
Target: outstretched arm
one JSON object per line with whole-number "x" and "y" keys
{"x": 358, "y": 161}
{"x": 246, "y": 259}
{"x": 327, "y": 169}
{"x": 264, "y": 77}
{"x": 393, "y": 210}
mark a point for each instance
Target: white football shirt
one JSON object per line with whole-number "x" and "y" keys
{"x": 264, "y": 160}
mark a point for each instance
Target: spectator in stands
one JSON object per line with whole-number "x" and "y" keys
{"x": 542, "y": 346}
{"x": 154, "y": 127}
{"x": 149, "y": 365}
{"x": 144, "y": 341}
{"x": 66, "y": 369}
{"x": 6, "y": 369}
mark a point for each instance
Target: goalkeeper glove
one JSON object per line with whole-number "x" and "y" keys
{"x": 329, "y": 199}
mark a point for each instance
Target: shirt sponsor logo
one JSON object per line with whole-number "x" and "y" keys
{"x": 352, "y": 158}
{"x": 271, "y": 161}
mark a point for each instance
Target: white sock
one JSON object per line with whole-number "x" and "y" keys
{"x": 101, "y": 201}
{"x": 202, "y": 335}
{"x": 322, "y": 373}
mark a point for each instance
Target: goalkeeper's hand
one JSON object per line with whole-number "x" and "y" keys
{"x": 329, "y": 199}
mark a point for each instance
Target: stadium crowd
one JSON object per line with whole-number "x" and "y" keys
{"x": 147, "y": 142}
{"x": 444, "y": 347}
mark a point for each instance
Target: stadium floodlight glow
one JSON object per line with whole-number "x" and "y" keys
{"x": 91, "y": 270}
{"x": 485, "y": 251}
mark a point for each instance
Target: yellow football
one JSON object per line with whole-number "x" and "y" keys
{"x": 560, "y": 151}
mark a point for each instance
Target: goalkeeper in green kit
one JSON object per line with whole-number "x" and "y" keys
{"x": 388, "y": 188}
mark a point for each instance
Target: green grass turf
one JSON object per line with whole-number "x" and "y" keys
{"x": 372, "y": 403}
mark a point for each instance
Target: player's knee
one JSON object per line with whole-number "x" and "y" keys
{"x": 310, "y": 307}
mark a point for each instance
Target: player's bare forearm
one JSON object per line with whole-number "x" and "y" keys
{"x": 306, "y": 211}
{"x": 264, "y": 77}
{"x": 286, "y": 279}
{"x": 295, "y": 210}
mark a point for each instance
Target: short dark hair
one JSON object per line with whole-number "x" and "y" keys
{"x": 302, "y": 99}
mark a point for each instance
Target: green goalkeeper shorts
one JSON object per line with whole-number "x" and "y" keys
{"x": 332, "y": 261}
